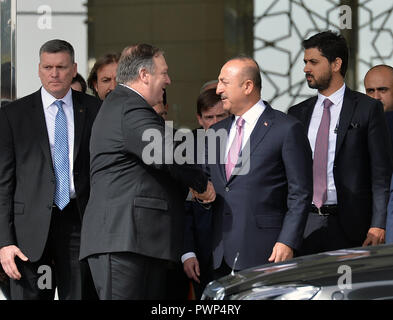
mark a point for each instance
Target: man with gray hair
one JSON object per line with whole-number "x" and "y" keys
{"x": 44, "y": 182}
{"x": 133, "y": 226}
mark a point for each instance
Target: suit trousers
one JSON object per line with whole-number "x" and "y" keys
{"x": 128, "y": 276}
{"x": 324, "y": 233}
{"x": 59, "y": 265}
{"x": 205, "y": 277}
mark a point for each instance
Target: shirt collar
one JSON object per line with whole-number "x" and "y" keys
{"x": 252, "y": 115}
{"x": 336, "y": 97}
{"x": 48, "y": 99}
{"x": 124, "y": 85}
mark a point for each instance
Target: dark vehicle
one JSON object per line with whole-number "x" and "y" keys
{"x": 352, "y": 274}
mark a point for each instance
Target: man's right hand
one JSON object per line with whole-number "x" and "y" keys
{"x": 191, "y": 268}
{"x": 7, "y": 260}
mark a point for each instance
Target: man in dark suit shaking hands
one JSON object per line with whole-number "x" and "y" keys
{"x": 264, "y": 187}
{"x": 352, "y": 152}
{"x": 134, "y": 220}
{"x": 44, "y": 181}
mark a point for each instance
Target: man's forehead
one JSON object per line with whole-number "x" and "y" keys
{"x": 381, "y": 73}
{"x": 57, "y": 57}
{"x": 216, "y": 109}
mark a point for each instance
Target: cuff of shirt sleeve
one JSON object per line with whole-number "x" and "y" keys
{"x": 187, "y": 255}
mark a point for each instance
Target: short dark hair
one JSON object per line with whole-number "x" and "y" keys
{"x": 81, "y": 80}
{"x": 331, "y": 45}
{"x": 57, "y": 45}
{"x": 106, "y": 59}
{"x": 206, "y": 100}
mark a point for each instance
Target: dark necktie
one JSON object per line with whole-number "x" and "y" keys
{"x": 321, "y": 157}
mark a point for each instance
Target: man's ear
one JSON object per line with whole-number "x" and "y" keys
{"x": 248, "y": 86}
{"x": 200, "y": 120}
{"x": 337, "y": 64}
{"x": 144, "y": 75}
{"x": 75, "y": 66}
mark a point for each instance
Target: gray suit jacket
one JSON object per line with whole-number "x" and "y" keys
{"x": 133, "y": 206}
{"x": 271, "y": 201}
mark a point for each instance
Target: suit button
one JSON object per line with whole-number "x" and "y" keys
{"x": 227, "y": 189}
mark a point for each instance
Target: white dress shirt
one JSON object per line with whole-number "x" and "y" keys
{"x": 250, "y": 117}
{"x": 50, "y": 111}
{"x": 337, "y": 98}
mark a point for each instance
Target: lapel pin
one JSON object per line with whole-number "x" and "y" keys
{"x": 265, "y": 124}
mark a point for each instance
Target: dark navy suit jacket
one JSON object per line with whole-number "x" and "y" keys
{"x": 269, "y": 200}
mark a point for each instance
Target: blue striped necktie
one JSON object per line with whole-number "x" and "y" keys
{"x": 61, "y": 159}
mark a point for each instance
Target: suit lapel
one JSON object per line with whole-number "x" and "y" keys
{"x": 79, "y": 121}
{"x": 308, "y": 111}
{"x": 227, "y": 124}
{"x": 346, "y": 113}
{"x": 263, "y": 125}
{"x": 38, "y": 119}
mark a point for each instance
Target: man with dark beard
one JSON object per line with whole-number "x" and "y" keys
{"x": 352, "y": 156}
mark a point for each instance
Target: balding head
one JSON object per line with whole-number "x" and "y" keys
{"x": 378, "y": 83}
{"x": 239, "y": 84}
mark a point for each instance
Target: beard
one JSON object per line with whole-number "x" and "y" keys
{"x": 322, "y": 83}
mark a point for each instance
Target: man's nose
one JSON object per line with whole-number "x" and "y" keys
{"x": 54, "y": 73}
{"x": 377, "y": 95}
{"x": 113, "y": 84}
{"x": 214, "y": 120}
{"x": 219, "y": 89}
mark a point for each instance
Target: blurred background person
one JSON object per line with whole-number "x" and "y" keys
{"x": 378, "y": 83}
{"x": 102, "y": 78}
{"x": 79, "y": 83}
{"x": 209, "y": 85}
{"x": 209, "y": 108}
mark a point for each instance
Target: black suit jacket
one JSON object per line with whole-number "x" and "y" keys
{"x": 27, "y": 181}
{"x": 270, "y": 201}
{"x": 389, "y": 122}
{"x": 363, "y": 162}
{"x": 134, "y": 206}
